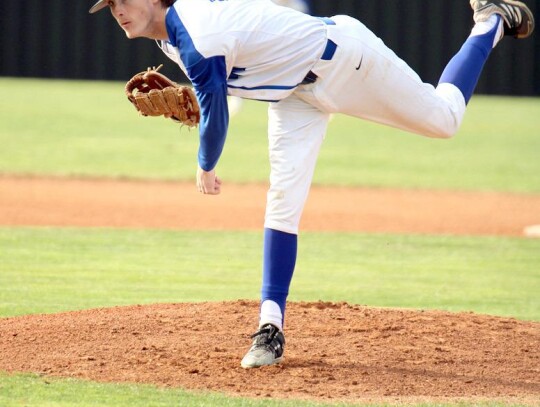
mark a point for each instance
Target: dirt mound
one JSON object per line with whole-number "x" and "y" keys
{"x": 334, "y": 351}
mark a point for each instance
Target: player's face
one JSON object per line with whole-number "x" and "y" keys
{"x": 135, "y": 17}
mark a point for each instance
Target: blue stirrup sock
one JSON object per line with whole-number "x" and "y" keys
{"x": 465, "y": 67}
{"x": 279, "y": 260}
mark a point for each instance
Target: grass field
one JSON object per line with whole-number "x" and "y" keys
{"x": 96, "y": 133}
{"x": 52, "y": 270}
{"x": 31, "y": 390}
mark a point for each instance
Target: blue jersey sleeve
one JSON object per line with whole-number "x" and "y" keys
{"x": 209, "y": 78}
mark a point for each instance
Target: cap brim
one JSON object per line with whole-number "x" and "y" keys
{"x": 98, "y": 6}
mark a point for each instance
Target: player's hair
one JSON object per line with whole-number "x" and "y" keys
{"x": 167, "y": 3}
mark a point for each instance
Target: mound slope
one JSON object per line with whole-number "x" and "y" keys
{"x": 335, "y": 351}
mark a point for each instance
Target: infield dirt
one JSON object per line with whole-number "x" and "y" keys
{"x": 334, "y": 351}
{"x": 110, "y": 203}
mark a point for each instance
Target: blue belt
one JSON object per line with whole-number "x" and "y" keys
{"x": 327, "y": 55}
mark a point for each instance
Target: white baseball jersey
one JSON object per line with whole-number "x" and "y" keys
{"x": 258, "y": 50}
{"x": 298, "y": 5}
{"x": 248, "y": 48}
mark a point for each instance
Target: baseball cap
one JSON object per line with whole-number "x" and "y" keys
{"x": 98, "y": 6}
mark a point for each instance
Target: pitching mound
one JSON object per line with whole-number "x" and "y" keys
{"x": 333, "y": 352}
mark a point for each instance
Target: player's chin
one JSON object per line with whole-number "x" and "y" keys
{"x": 131, "y": 34}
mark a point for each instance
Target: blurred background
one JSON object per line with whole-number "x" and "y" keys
{"x": 59, "y": 39}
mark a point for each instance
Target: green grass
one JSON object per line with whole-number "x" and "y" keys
{"x": 51, "y": 270}
{"x": 88, "y": 128}
{"x": 31, "y": 390}
{"x": 497, "y": 148}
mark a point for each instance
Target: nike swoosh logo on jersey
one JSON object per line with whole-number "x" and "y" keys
{"x": 360, "y": 64}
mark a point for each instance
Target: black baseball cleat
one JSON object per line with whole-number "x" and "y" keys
{"x": 267, "y": 348}
{"x": 518, "y": 18}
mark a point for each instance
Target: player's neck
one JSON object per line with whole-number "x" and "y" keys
{"x": 158, "y": 28}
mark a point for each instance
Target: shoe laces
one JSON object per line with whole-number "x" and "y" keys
{"x": 513, "y": 15}
{"x": 266, "y": 334}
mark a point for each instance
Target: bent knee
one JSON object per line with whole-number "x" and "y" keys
{"x": 445, "y": 133}
{"x": 451, "y": 114}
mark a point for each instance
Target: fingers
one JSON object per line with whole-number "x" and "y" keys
{"x": 210, "y": 190}
{"x": 208, "y": 183}
{"x": 216, "y": 190}
{"x": 159, "y": 102}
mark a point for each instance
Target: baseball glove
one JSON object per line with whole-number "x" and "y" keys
{"x": 153, "y": 94}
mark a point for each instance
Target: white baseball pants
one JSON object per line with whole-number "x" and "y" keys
{"x": 364, "y": 79}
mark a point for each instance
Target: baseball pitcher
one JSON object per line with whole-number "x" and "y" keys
{"x": 306, "y": 68}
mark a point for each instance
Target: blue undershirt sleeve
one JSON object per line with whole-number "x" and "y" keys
{"x": 210, "y": 82}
